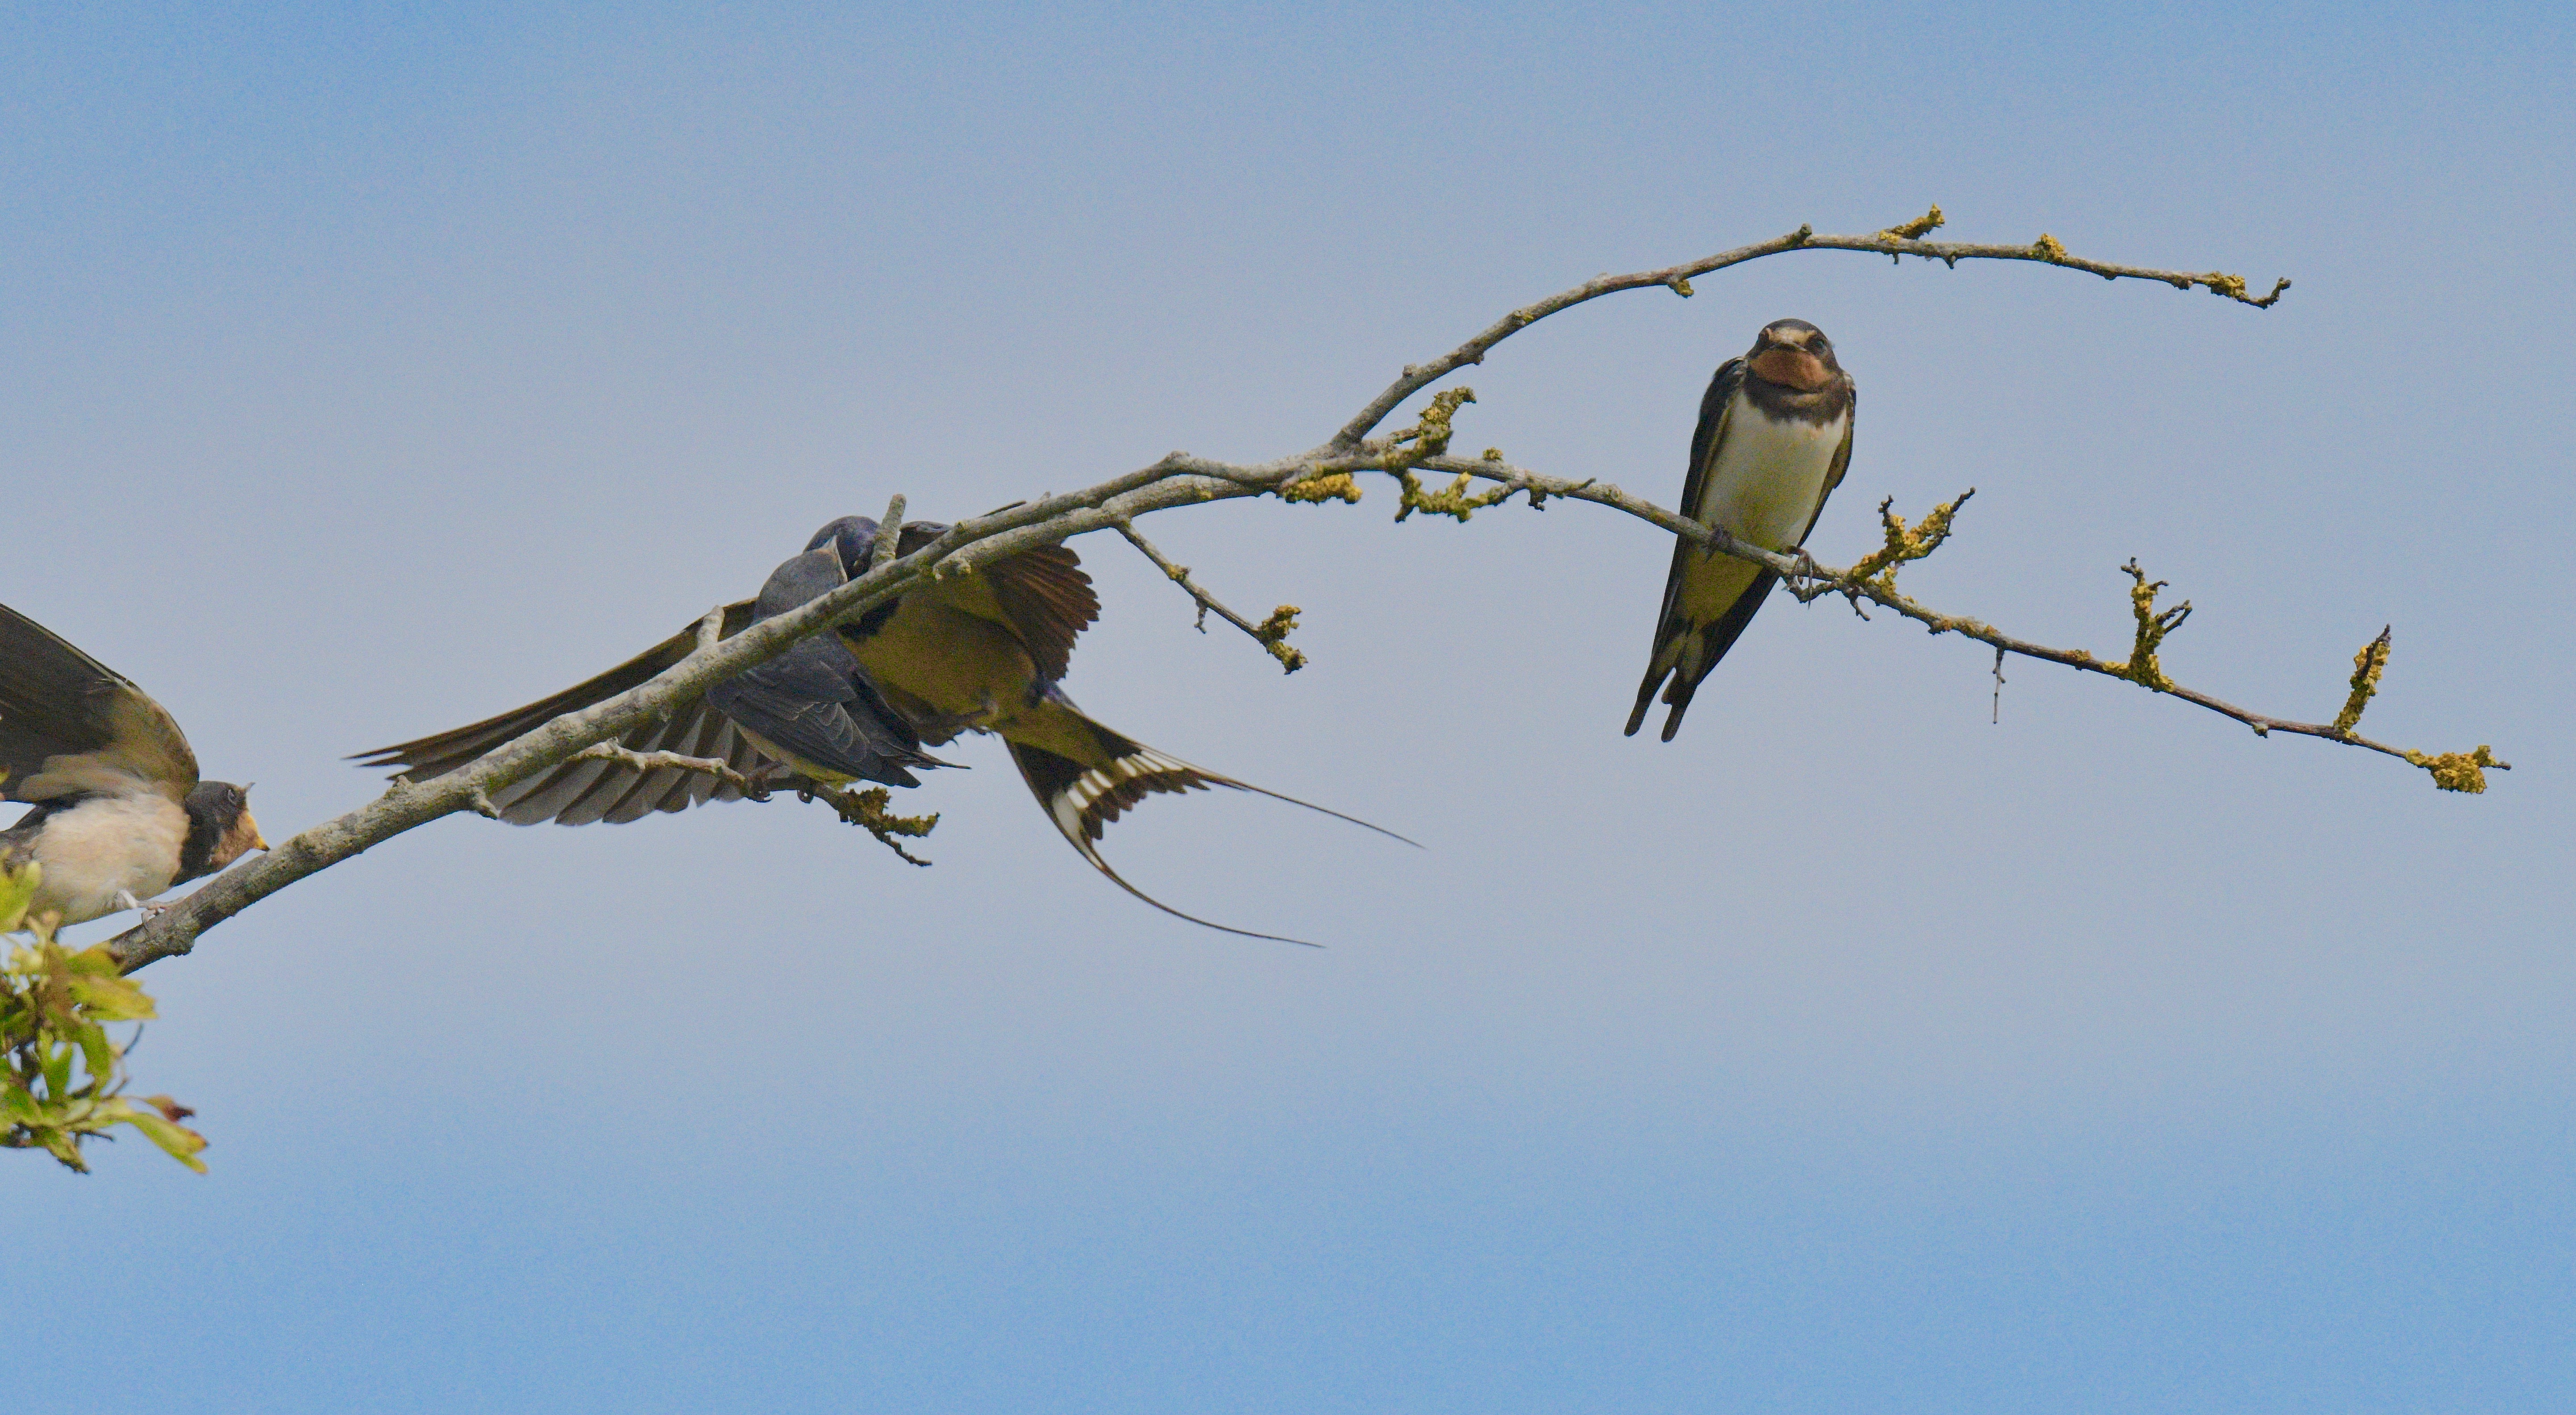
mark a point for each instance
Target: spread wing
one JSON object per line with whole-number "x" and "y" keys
{"x": 1049, "y": 600}
{"x": 69, "y": 723}
{"x": 580, "y": 792}
{"x": 1044, "y": 593}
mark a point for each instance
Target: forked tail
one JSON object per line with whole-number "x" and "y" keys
{"x": 1083, "y": 800}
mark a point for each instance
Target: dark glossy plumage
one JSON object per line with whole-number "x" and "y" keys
{"x": 974, "y": 652}
{"x": 812, "y": 706}
{"x": 1742, "y": 408}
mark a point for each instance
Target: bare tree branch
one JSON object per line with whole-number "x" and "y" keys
{"x": 890, "y": 534}
{"x": 650, "y": 761}
{"x": 1677, "y": 278}
{"x": 1271, "y": 633}
{"x": 1179, "y": 479}
{"x": 1874, "y": 579}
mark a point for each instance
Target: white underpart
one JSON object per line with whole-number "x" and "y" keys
{"x": 1768, "y": 476}
{"x": 106, "y": 846}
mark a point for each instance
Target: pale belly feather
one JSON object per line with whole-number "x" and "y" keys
{"x": 1768, "y": 477}
{"x": 1764, "y": 489}
{"x": 106, "y": 845}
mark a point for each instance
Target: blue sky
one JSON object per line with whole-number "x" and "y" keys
{"x": 369, "y": 370}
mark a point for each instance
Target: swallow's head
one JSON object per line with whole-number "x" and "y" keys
{"x": 220, "y": 828}
{"x": 854, "y": 537}
{"x": 1793, "y": 354}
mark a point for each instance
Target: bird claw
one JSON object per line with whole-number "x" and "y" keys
{"x": 1807, "y": 569}
{"x": 125, "y": 899}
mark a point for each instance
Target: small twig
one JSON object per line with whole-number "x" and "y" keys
{"x": 1271, "y": 634}
{"x": 867, "y": 810}
{"x": 2451, "y": 771}
{"x": 655, "y": 761}
{"x": 889, "y": 535}
{"x": 711, "y": 628}
{"x": 1997, "y": 716}
{"x": 2046, "y": 250}
{"x": 2367, "y": 665}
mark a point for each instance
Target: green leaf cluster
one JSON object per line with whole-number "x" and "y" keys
{"x": 64, "y": 1079}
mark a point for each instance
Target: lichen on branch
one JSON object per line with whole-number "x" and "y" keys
{"x": 1331, "y": 486}
{"x": 2460, "y": 771}
{"x": 871, "y": 810}
{"x": 2141, "y": 667}
{"x": 1271, "y": 633}
{"x": 1902, "y": 545}
{"x": 1918, "y": 228}
{"x": 2367, "y": 665}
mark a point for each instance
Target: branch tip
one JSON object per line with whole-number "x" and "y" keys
{"x": 868, "y": 810}
{"x": 889, "y": 535}
{"x": 2460, "y": 771}
{"x": 2152, "y": 626}
{"x": 2367, "y": 665}
{"x": 1271, "y": 633}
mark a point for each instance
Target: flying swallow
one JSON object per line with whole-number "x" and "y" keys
{"x": 120, "y": 815}
{"x": 977, "y": 652}
{"x": 1775, "y": 435}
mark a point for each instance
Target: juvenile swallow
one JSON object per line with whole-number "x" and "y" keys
{"x": 978, "y": 652}
{"x": 120, "y": 815}
{"x": 1774, "y": 437}
{"x": 983, "y": 657}
{"x": 812, "y": 707}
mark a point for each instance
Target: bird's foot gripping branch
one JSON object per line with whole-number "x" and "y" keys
{"x": 64, "y": 1079}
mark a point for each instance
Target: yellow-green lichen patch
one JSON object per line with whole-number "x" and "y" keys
{"x": 1903, "y": 544}
{"x": 2142, "y": 668}
{"x": 1273, "y": 635}
{"x": 1919, "y": 227}
{"x": 2459, "y": 771}
{"x": 1337, "y": 486}
{"x": 2367, "y": 665}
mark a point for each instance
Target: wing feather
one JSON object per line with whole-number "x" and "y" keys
{"x": 580, "y": 792}
{"x": 1049, "y": 600}
{"x": 1670, "y": 624}
{"x": 69, "y": 723}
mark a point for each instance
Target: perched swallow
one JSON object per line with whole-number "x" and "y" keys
{"x": 978, "y": 652}
{"x": 1775, "y": 435}
{"x": 119, "y": 812}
